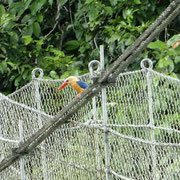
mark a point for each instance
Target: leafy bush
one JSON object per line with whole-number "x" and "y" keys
{"x": 167, "y": 58}
{"x": 62, "y": 37}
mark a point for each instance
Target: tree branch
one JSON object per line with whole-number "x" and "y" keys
{"x": 56, "y": 20}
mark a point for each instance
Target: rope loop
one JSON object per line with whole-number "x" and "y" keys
{"x": 41, "y": 73}
{"x": 146, "y": 63}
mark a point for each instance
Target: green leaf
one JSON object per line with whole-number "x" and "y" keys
{"x": 2, "y": 56}
{"x": 27, "y": 3}
{"x": 173, "y": 40}
{"x": 3, "y": 49}
{"x": 62, "y": 2}
{"x": 12, "y": 78}
{"x": 14, "y": 37}
{"x": 3, "y": 67}
{"x": 10, "y": 2}
{"x": 27, "y": 39}
{"x": 130, "y": 40}
{"x": 66, "y": 74}
{"x": 17, "y": 81}
{"x": 2, "y": 10}
{"x": 79, "y": 34}
{"x": 167, "y": 65}
{"x": 50, "y": 2}
{"x": 8, "y": 24}
{"x": 20, "y": 12}
{"x": 17, "y": 5}
{"x": 89, "y": 1}
{"x": 177, "y": 59}
{"x": 39, "y": 42}
{"x": 26, "y": 74}
{"x": 113, "y": 2}
{"x": 39, "y": 18}
{"x": 109, "y": 10}
{"x": 28, "y": 30}
{"x": 127, "y": 13}
{"x": 178, "y": 50}
{"x": 26, "y": 18}
{"x": 12, "y": 65}
{"x": 172, "y": 52}
{"x": 36, "y": 6}
{"x": 73, "y": 44}
{"x": 114, "y": 37}
{"x": 157, "y": 45}
{"x": 54, "y": 74}
{"x": 36, "y": 29}
{"x": 26, "y": 6}
{"x": 93, "y": 14}
{"x": 137, "y": 1}
{"x": 57, "y": 52}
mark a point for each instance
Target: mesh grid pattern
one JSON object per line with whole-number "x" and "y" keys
{"x": 142, "y": 132}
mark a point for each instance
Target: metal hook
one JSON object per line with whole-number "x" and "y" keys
{"x": 146, "y": 63}
{"x": 99, "y": 68}
{"x": 37, "y": 70}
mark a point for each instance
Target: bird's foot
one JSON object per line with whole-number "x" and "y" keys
{"x": 78, "y": 96}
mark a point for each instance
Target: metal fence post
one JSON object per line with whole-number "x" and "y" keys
{"x": 105, "y": 118}
{"x": 151, "y": 122}
{"x": 95, "y": 113}
{"x": 40, "y": 123}
{"x": 96, "y": 137}
{"x": 22, "y": 161}
{"x": 1, "y": 132}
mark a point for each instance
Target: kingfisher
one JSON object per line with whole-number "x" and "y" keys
{"x": 75, "y": 83}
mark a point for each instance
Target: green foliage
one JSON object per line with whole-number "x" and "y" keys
{"x": 62, "y": 37}
{"x": 23, "y": 46}
{"x": 167, "y": 58}
{"x": 116, "y": 24}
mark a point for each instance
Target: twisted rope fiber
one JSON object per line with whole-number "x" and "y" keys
{"x": 63, "y": 116}
{"x": 79, "y": 125}
{"x": 164, "y": 76}
{"x": 24, "y": 106}
{"x": 120, "y": 176}
{"x": 132, "y": 138}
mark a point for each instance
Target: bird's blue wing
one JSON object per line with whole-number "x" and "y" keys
{"x": 82, "y": 84}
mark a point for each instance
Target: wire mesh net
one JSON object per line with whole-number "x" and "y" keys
{"x": 140, "y": 140}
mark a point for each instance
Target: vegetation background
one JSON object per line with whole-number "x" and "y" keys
{"x": 63, "y": 36}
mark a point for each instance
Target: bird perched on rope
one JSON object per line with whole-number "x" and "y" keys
{"x": 75, "y": 83}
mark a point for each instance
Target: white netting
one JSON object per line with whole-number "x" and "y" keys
{"x": 140, "y": 140}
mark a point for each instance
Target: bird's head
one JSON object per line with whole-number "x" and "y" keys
{"x": 68, "y": 80}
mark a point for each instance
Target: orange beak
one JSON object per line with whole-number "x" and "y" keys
{"x": 63, "y": 85}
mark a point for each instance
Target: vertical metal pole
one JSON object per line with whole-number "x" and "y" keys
{"x": 22, "y": 161}
{"x": 95, "y": 115}
{"x": 43, "y": 153}
{"x": 151, "y": 123}
{"x": 1, "y": 131}
{"x": 96, "y": 137}
{"x": 94, "y": 109}
{"x": 105, "y": 118}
